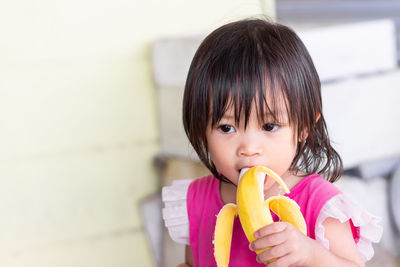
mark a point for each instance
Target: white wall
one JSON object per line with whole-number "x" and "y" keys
{"x": 78, "y": 124}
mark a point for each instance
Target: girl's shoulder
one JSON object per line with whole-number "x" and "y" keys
{"x": 175, "y": 210}
{"x": 179, "y": 189}
{"x": 319, "y": 200}
{"x": 202, "y": 183}
{"x": 203, "y": 190}
{"x": 185, "y": 199}
{"x": 314, "y": 184}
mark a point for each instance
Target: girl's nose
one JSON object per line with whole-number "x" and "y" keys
{"x": 249, "y": 147}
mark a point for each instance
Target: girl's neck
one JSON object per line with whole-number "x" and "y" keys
{"x": 228, "y": 190}
{"x": 290, "y": 179}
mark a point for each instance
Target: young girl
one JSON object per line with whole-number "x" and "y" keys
{"x": 252, "y": 97}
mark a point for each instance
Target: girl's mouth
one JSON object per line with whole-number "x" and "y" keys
{"x": 243, "y": 170}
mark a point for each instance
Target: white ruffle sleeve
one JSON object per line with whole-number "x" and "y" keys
{"x": 343, "y": 208}
{"x": 174, "y": 212}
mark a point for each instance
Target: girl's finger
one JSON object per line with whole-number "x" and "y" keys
{"x": 270, "y": 229}
{"x": 274, "y": 253}
{"x": 287, "y": 260}
{"x": 270, "y": 240}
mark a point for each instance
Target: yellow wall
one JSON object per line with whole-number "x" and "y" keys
{"x": 78, "y": 124}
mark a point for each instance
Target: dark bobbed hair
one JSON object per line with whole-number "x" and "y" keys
{"x": 242, "y": 63}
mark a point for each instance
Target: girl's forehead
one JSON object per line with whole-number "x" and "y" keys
{"x": 270, "y": 102}
{"x": 268, "y": 107}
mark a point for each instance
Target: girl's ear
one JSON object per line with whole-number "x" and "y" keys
{"x": 318, "y": 117}
{"x": 304, "y": 134}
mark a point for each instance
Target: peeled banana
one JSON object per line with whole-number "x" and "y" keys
{"x": 253, "y": 211}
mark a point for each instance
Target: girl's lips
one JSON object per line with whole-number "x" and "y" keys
{"x": 242, "y": 172}
{"x": 246, "y": 169}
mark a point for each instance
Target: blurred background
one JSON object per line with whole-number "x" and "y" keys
{"x": 90, "y": 130}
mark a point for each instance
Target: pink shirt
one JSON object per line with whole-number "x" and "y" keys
{"x": 204, "y": 202}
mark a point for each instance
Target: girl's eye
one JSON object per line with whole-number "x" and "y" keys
{"x": 270, "y": 127}
{"x": 227, "y": 128}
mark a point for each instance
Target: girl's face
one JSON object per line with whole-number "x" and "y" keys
{"x": 232, "y": 147}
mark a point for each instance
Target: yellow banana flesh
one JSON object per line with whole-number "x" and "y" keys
{"x": 288, "y": 211}
{"x": 223, "y": 234}
{"x": 253, "y": 212}
{"x": 250, "y": 200}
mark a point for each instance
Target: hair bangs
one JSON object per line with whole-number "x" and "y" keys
{"x": 244, "y": 80}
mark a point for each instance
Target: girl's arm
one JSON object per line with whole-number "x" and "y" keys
{"x": 342, "y": 247}
{"x": 188, "y": 258}
{"x": 290, "y": 247}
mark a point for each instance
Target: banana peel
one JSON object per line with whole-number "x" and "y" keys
{"x": 253, "y": 211}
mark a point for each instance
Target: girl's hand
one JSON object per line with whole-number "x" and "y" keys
{"x": 286, "y": 244}
{"x": 183, "y": 265}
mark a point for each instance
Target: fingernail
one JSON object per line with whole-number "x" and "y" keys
{"x": 256, "y": 235}
{"x": 250, "y": 247}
